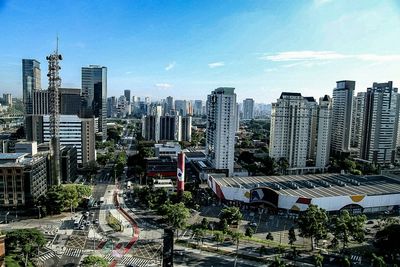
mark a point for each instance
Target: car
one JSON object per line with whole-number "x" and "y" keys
{"x": 370, "y": 222}
{"x": 92, "y": 213}
{"x": 88, "y": 223}
{"x": 253, "y": 224}
{"x": 82, "y": 227}
{"x": 96, "y": 221}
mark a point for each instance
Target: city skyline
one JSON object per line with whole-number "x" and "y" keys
{"x": 186, "y": 49}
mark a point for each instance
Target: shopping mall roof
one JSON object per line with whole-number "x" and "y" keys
{"x": 317, "y": 185}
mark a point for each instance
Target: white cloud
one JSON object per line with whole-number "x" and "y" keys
{"x": 163, "y": 85}
{"x": 170, "y": 66}
{"x": 307, "y": 56}
{"x": 216, "y": 64}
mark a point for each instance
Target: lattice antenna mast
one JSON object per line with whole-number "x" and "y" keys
{"x": 54, "y": 85}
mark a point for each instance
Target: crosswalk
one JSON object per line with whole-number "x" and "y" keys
{"x": 129, "y": 260}
{"x": 73, "y": 252}
{"x": 47, "y": 255}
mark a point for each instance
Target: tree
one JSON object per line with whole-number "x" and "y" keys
{"x": 84, "y": 191}
{"x": 224, "y": 225}
{"x": 27, "y": 241}
{"x": 236, "y": 238}
{"x": 70, "y": 196}
{"x": 269, "y": 236}
{"x": 378, "y": 261}
{"x": 219, "y": 238}
{"x": 231, "y": 215}
{"x": 283, "y": 165}
{"x": 277, "y": 262}
{"x": 262, "y": 250}
{"x": 54, "y": 200}
{"x": 204, "y": 223}
{"x": 95, "y": 261}
{"x": 292, "y": 236}
{"x": 313, "y": 224}
{"x": 345, "y": 226}
{"x": 249, "y": 232}
{"x": 318, "y": 260}
{"x": 387, "y": 239}
{"x": 199, "y": 234}
{"x": 177, "y": 215}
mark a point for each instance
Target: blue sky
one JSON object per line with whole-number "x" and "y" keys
{"x": 188, "y": 48}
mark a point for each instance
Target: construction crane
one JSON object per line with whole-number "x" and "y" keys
{"x": 54, "y": 85}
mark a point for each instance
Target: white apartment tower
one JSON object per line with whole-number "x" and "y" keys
{"x": 357, "y": 119}
{"x": 289, "y": 135}
{"x": 221, "y": 128}
{"x": 341, "y": 119}
{"x": 380, "y": 124}
{"x": 248, "y": 109}
{"x": 324, "y": 131}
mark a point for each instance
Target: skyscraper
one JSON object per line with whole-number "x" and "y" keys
{"x": 324, "y": 131}
{"x": 94, "y": 89}
{"x": 379, "y": 131}
{"x": 69, "y": 97}
{"x": 290, "y": 125}
{"x": 127, "y": 94}
{"x": 341, "y": 120}
{"x": 187, "y": 128}
{"x": 248, "y": 109}
{"x": 221, "y": 128}
{"x": 30, "y": 83}
{"x": 357, "y": 119}
{"x": 198, "y": 108}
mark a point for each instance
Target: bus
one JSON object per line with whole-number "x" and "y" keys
{"x": 78, "y": 221}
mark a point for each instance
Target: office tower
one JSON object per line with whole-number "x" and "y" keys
{"x": 69, "y": 164}
{"x": 221, "y": 128}
{"x": 127, "y": 94}
{"x": 171, "y": 128}
{"x": 23, "y": 177}
{"x": 112, "y": 105}
{"x": 379, "y": 131}
{"x": 248, "y": 109}
{"x": 30, "y": 82}
{"x": 189, "y": 106}
{"x": 7, "y": 99}
{"x": 149, "y": 128}
{"x": 94, "y": 89}
{"x": 70, "y": 132}
{"x": 181, "y": 107}
{"x": 357, "y": 119}
{"x": 89, "y": 126}
{"x": 289, "y": 134}
{"x": 70, "y": 99}
{"x": 169, "y": 105}
{"x": 324, "y": 131}
{"x": 123, "y": 107}
{"x": 198, "y": 108}
{"x": 41, "y": 102}
{"x": 341, "y": 116}
{"x": 187, "y": 128}
{"x": 312, "y": 122}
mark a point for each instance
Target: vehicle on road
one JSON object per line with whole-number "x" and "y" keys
{"x": 77, "y": 221}
{"x": 101, "y": 200}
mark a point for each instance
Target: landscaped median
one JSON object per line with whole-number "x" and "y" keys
{"x": 113, "y": 222}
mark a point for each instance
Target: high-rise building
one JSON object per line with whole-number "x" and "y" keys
{"x": 341, "y": 116}
{"x": 89, "y": 126}
{"x": 380, "y": 125}
{"x": 181, "y": 107}
{"x": 169, "y": 105}
{"x": 127, "y": 94}
{"x": 70, "y": 132}
{"x": 313, "y": 122}
{"x": 187, "y": 128}
{"x": 41, "y": 102}
{"x": 324, "y": 131}
{"x": 248, "y": 109}
{"x": 198, "y": 108}
{"x": 69, "y": 101}
{"x": 94, "y": 89}
{"x": 171, "y": 128}
{"x": 31, "y": 82}
{"x": 7, "y": 99}
{"x": 289, "y": 134}
{"x": 112, "y": 105}
{"x": 23, "y": 178}
{"x": 357, "y": 119}
{"x": 221, "y": 128}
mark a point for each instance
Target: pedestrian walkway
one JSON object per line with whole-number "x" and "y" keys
{"x": 73, "y": 252}
{"x": 129, "y": 260}
{"x": 47, "y": 255}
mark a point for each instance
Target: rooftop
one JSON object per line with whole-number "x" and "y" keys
{"x": 318, "y": 185}
{"x": 10, "y": 156}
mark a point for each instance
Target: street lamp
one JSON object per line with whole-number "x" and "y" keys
{"x": 6, "y": 216}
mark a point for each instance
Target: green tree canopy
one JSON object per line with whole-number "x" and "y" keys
{"x": 25, "y": 241}
{"x": 232, "y": 215}
{"x": 95, "y": 261}
{"x": 292, "y": 236}
{"x": 177, "y": 215}
{"x": 313, "y": 224}
{"x": 345, "y": 226}
{"x": 388, "y": 239}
